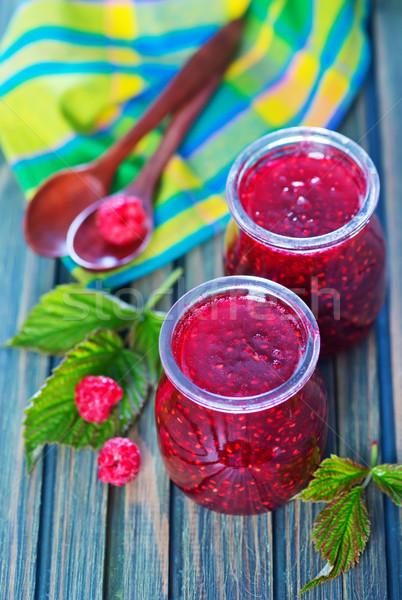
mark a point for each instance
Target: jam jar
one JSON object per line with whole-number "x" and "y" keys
{"x": 302, "y": 202}
{"x": 241, "y": 410}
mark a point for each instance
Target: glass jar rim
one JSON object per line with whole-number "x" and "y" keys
{"x": 295, "y": 135}
{"x": 258, "y": 286}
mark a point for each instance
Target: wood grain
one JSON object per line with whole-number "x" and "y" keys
{"x": 217, "y": 556}
{"x": 75, "y": 517}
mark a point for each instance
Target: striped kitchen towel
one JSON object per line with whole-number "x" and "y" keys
{"x": 76, "y": 74}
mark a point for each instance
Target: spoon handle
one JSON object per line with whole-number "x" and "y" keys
{"x": 145, "y": 182}
{"x": 212, "y": 58}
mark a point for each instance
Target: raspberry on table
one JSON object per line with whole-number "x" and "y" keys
{"x": 119, "y": 461}
{"x": 122, "y": 220}
{"x": 95, "y": 397}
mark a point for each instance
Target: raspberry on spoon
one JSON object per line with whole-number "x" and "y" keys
{"x": 121, "y": 220}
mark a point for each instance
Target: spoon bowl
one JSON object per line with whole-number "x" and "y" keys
{"x": 90, "y": 250}
{"x": 55, "y": 205}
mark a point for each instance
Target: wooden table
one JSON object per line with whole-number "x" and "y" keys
{"x": 66, "y": 536}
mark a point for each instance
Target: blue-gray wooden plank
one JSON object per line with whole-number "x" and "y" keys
{"x": 72, "y": 527}
{"x": 386, "y": 144}
{"x": 384, "y": 109}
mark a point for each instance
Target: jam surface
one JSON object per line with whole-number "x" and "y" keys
{"x": 238, "y": 345}
{"x": 302, "y": 194}
{"x": 240, "y": 462}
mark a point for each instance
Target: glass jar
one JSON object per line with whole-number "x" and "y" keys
{"x": 340, "y": 274}
{"x": 226, "y": 444}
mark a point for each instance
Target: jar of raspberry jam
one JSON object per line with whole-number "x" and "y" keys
{"x": 302, "y": 201}
{"x": 241, "y": 410}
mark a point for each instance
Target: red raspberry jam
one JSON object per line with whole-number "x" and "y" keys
{"x": 302, "y": 201}
{"x": 240, "y": 408}
{"x": 247, "y": 347}
{"x": 285, "y": 195}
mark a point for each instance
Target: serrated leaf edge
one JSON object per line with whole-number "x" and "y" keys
{"x": 17, "y": 340}
{"x": 324, "y": 518}
{"x": 384, "y": 485}
{"x": 354, "y": 475}
{"x": 76, "y": 420}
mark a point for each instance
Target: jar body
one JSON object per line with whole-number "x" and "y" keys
{"x": 247, "y": 462}
{"x": 343, "y": 284}
{"x": 302, "y": 201}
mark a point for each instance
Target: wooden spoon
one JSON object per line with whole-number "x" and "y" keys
{"x": 64, "y": 195}
{"x": 85, "y": 243}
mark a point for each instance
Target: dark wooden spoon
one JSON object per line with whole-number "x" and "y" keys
{"x": 85, "y": 243}
{"x": 63, "y": 196}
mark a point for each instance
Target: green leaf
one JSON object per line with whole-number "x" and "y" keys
{"x": 145, "y": 341}
{"x": 340, "y": 532}
{"x": 389, "y": 480}
{"x": 130, "y": 373}
{"x": 53, "y": 417}
{"x": 333, "y": 477}
{"x": 67, "y": 314}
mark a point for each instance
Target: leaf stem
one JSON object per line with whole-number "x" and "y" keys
{"x": 374, "y": 453}
{"x": 366, "y": 481}
{"x": 161, "y": 291}
{"x": 150, "y": 304}
{"x": 374, "y": 457}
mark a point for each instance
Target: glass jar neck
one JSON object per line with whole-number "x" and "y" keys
{"x": 313, "y": 138}
{"x": 255, "y": 286}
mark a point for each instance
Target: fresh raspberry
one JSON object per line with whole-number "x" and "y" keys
{"x": 95, "y": 396}
{"x": 122, "y": 220}
{"x": 119, "y": 461}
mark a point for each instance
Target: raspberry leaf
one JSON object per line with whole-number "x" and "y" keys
{"x": 67, "y": 314}
{"x": 340, "y": 532}
{"x": 389, "y": 480}
{"x": 333, "y": 477}
{"x": 53, "y": 417}
{"x": 145, "y": 341}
